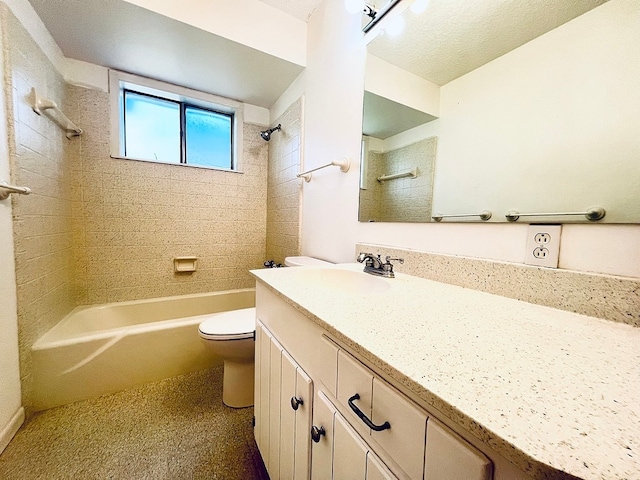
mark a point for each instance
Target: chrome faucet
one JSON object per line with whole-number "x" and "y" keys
{"x": 374, "y": 265}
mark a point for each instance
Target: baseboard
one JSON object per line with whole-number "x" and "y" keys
{"x": 11, "y": 429}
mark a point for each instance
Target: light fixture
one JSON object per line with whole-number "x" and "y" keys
{"x": 360, "y": 6}
{"x": 395, "y": 26}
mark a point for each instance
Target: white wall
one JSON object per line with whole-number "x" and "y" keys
{"x": 11, "y": 412}
{"x": 330, "y": 228}
{"x": 334, "y": 82}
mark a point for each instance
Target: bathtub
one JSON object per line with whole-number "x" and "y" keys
{"x": 103, "y": 349}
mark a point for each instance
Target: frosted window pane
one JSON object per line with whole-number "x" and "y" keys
{"x": 208, "y": 138}
{"x": 152, "y": 128}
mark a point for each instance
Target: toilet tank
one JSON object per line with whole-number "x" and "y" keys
{"x": 303, "y": 261}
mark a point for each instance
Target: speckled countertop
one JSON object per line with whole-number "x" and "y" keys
{"x": 555, "y": 392}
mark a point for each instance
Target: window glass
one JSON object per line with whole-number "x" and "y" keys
{"x": 152, "y": 128}
{"x": 208, "y": 138}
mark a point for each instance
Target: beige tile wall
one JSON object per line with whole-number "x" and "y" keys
{"x": 402, "y": 199}
{"x": 370, "y": 197}
{"x": 409, "y": 199}
{"x": 98, "y": 229}
{"x": 131, "y": 218}
{"x": 40, "y": 159}
{"x": 283, "y": 198}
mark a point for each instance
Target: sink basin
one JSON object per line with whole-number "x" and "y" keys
{"x": 342, "y": 281}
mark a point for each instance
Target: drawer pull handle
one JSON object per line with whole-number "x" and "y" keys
{"x": 296, "y": 402}
{"x": 364, "y": 418}
{"x": 317, "y": 433}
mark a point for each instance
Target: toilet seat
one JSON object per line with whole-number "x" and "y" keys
{"x": 232, "y": 325}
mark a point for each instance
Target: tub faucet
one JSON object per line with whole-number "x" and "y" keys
{"x": 374, "y": 265}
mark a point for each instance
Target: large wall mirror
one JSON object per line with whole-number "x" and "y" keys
{"x": 485, "y": 111}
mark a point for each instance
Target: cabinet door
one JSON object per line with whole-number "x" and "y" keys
{"x": 304, "y": 392}
{"x": 287, "y": 417}
{"x": 449, "y": 457}
{"x": 349, "y": 452}
{"x": 295, "y": 420}
{"x": 376, "y": 470}
{"x": 263, "y": 365}
{"x": 275, "y": 380}
{"x": 405, "y": 440}
{"x": 322, "y": 451}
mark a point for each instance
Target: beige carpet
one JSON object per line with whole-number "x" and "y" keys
{"x": 174, "y": 429}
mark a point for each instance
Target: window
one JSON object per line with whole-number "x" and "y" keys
{"x": 173, "y": 125}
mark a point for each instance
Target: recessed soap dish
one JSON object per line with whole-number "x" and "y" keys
{"x": 185, "y": 264}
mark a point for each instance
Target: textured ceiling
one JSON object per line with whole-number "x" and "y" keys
{"x": 453, "y": 37}
{"x": 301, "y": 9}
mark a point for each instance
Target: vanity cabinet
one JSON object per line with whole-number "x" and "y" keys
{"x": 340, "y": 452}
{"x": 284, "y": 395}
{"x": 322, "y": 414}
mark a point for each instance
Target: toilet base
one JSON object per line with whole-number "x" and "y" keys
{"x": 237, "y": 384}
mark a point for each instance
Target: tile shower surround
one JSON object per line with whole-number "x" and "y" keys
{"x": 610, "y": 297}
{"x": 131, "y": 218}
{"x": 40, "y": 157}
{"x": 98, "y": 229}
{"x": 284, "y": 188}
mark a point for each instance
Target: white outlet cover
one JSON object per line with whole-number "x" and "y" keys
{"x": 543, "y": 245}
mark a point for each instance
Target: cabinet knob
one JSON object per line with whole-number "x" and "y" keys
{"x": 296, "y": 402}
{"x": 317, "y": 433}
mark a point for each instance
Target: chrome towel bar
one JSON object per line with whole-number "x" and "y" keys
{"x": 484, "y": 215}
{"x": 592, "y": 213}
{"x": 6, "y": 190}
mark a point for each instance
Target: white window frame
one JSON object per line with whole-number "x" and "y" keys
{"x": 120, "y": 80}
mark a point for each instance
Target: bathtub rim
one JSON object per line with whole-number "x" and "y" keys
{"x": 42, "y": 343}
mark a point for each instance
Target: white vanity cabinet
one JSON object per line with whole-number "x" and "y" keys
{"x": 283, "y": 406}
{"x": 348, "y": 422}
{"x": 339, "y": 452}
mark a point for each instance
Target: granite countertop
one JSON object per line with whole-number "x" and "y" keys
{"x": 555, "y": 392}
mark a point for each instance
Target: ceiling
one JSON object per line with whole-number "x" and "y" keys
{"x": 119, "y": 35}
{"x": 453, "y": 37}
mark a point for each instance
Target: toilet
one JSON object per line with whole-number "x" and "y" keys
{"x": 304, "y": 261}
{"x": 230, "y": 335}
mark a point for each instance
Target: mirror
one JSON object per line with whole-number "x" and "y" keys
{"x": 519, "y": 111}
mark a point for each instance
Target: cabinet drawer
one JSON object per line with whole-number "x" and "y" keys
{"x": 353, "y": 377}
{"x": 449, "y": 457}
{"x": 405, "y": 440}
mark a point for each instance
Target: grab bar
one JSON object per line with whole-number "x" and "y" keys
{"x": 42, "y": 104}
{"x": 409, "y": 173}
{"x": 344, "y": 163}
{"x": 592, "y": 213}
{"x": 484, "y": 215}
{"x": 9, "y": 189}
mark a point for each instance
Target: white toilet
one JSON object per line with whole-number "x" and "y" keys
{"x": 303, "y": 261}
{"x": 230, "y": 336}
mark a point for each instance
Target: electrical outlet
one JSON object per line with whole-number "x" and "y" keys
{"x": 543, "y": 245}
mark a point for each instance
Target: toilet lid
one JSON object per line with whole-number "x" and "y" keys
{"x": 233, "y": 325}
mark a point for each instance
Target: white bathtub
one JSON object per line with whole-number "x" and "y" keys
{"x": 106, "y": 348}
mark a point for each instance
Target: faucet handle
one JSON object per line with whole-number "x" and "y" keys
{"x": 388, "y": 259}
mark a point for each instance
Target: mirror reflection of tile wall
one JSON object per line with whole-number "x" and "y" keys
{"x": 402, "y": 199}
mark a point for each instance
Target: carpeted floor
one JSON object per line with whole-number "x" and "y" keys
{"x": 173, "y": 429}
